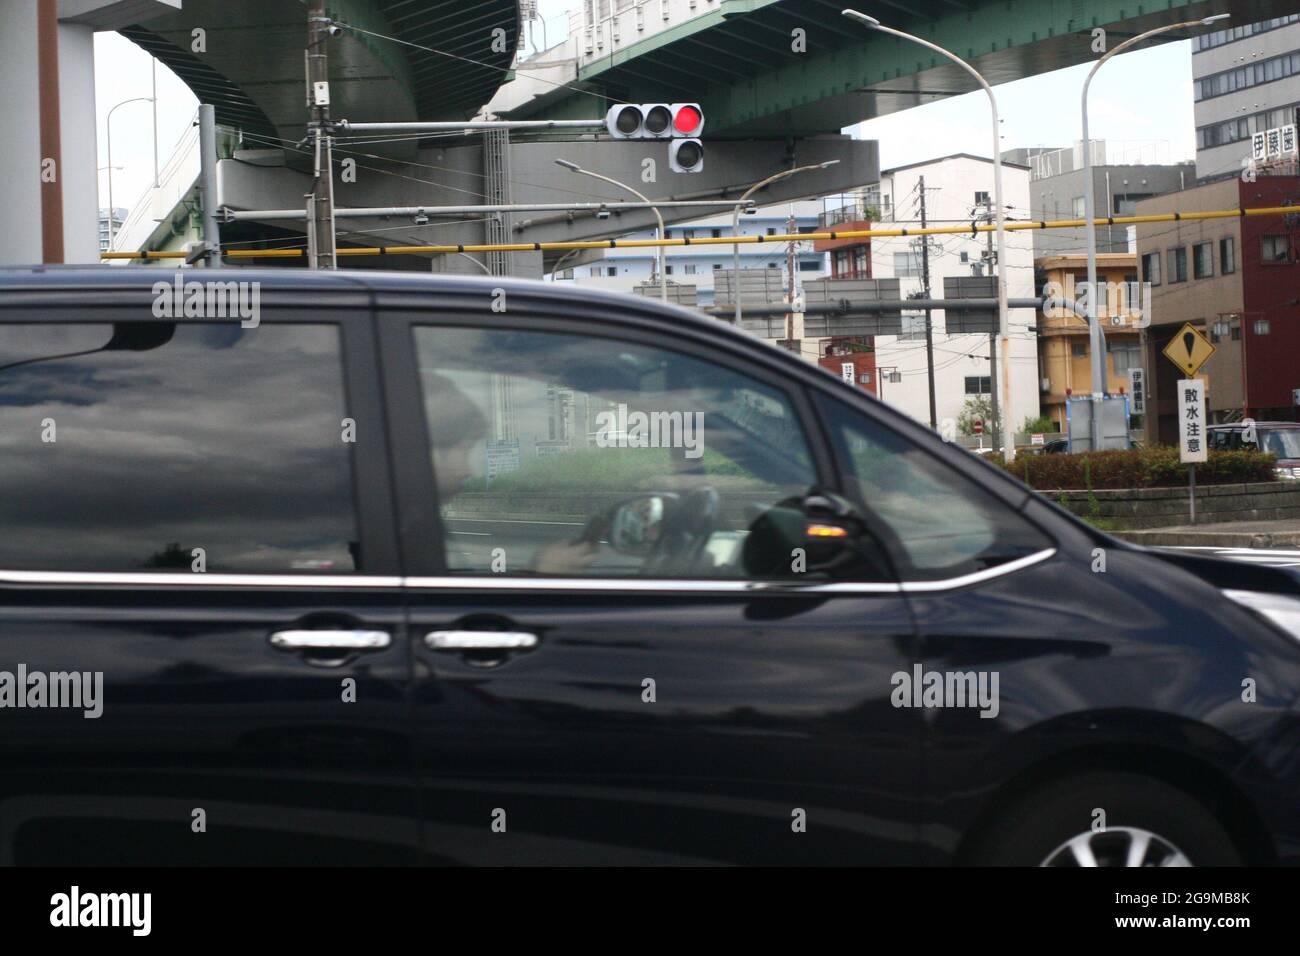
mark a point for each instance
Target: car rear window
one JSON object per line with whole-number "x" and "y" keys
{"x": 153, "y": 446}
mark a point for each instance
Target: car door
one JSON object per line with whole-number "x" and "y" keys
{"x": 195, "y": 533}
{"x": 577, "y": 704}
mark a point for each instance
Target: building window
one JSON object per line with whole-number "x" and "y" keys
{"x": 613, "y": 270}
{"x": 1227, "y": 256}
{"x": 907, "y": 264}
{"x": 981, "y": 198}
{"x": 1178, "y": 264}
{"x": 594, "y": 271}
{"x": 912, "y": 328}
{"x": 1151, "y": 268}
{"x": 1202, "y": 260}
{"x": 716, "y": 233}
{"x": 1078, "y": 349}
{"x": 1076, "y": 206}
{"x": 668, "y": 270}
{"x": 1126, "y": 355}
{"x": 1274, "y": 248}
{"x": 809, "y": 265}
{"x": 979, "y": 385}
{"x": 860, "y": 261}
{"x": 566, "y": 273}
{"x": 1236, "y": 333}
{"x": 771, "y": 230}
{"x": 1261, "y": 327}
{"x": 773, "y": 265}
{"x": 690, "y": 269}
{"x": 717, "y": 266}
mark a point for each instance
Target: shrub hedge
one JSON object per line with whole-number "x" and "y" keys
{"x": 1153, "y": 467}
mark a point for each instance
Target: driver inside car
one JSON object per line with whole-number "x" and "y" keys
{"x": 457, "y": 427}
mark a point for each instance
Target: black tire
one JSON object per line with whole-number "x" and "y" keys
{"x": 1033, "y": 827}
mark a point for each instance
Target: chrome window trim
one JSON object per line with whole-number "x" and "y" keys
{"x": 503, "y": 583}
{"x": 201, "y": 579}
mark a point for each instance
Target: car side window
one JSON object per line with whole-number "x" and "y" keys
{"x": 573, "y": 455}
{"x": 937, "y": 524}
{"x": 150, "y": 446}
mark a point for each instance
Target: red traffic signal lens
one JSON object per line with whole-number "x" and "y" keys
{"x": 687, "y": 120}
{"x": 657, "y": 120}
{"x": 628, "y": 120}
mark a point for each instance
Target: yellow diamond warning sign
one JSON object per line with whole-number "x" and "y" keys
{"x": 1189, "y": 349}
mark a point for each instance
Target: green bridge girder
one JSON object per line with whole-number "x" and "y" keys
{"x": 739, "y": 59}
{"x": 252, "y": 68}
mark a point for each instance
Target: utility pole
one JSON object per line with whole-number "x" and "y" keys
{"x": 993, "y": 336}
{"x": 925, "y": 284}
{"x": 790, "y": 227}
{"x": 320, "y": 201}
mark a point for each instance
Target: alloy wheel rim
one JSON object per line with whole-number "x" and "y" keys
{"x": 1117, "y": 846}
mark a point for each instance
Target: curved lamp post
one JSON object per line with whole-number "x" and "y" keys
{"x": 1008, "y": 432}
{"x": 663, "y": 278}
{"x": 108, "y": 128}
{"x": 1096, "y": 339}
{"x": 735, "y": 224}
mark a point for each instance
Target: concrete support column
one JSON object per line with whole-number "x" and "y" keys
{"x": 80, "y": 154}
{"x": 20, "y": 160}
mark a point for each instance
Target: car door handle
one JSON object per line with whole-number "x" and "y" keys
{"x": 337, "y": 640}
{"x": 480, "y": 640}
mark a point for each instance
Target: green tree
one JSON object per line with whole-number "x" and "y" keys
{"x": 977, "y": 408}
{"x": 1042, "y": 423}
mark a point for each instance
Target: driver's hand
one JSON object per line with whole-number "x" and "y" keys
{"x": 566, "y": 557}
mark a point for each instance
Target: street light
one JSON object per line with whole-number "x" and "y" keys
{"x": 735, "y": 225}
{"x": 108, "y": 127}
{"x": 1008, "y": 432}
{"x": 1096, "y": 339}
{"x": 663, "y": 277}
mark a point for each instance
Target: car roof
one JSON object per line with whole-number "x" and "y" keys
{"x": 138, "y": 279}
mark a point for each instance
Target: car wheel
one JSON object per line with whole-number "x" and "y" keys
{"x": 1146, "y": 823}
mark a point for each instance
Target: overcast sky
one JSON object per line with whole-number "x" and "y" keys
{"x": 1141, "y": 103}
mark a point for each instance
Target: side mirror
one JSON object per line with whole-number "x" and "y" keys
{"x": 637, "y": 524}
{"x": 818, "y": 534}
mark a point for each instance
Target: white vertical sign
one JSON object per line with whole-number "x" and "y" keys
{"x": 1137, "y": 388}
{"x": 1191, "y": 420}
{"x": 847, "y": 372}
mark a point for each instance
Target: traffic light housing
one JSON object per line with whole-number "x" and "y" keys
{"x": 654, "y": 120}
{"x": 686, "y": 156}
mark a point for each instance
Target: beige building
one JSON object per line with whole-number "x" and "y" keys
{"x": 1195, "y": 275}
{"x": 1064, "y": 352}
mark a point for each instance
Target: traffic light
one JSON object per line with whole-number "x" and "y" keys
{"x": 640, "y": 121}
{"x": 654, "y": 120}
{"x": 686, "y": 156}
{"x": 680, "y": 122}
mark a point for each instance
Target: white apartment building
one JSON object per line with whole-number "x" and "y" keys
{"x": 959, "y": 191}
{"x": 620, "y": 270}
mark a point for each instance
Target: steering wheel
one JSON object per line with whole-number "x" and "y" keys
{"x": 686, "y": 529}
